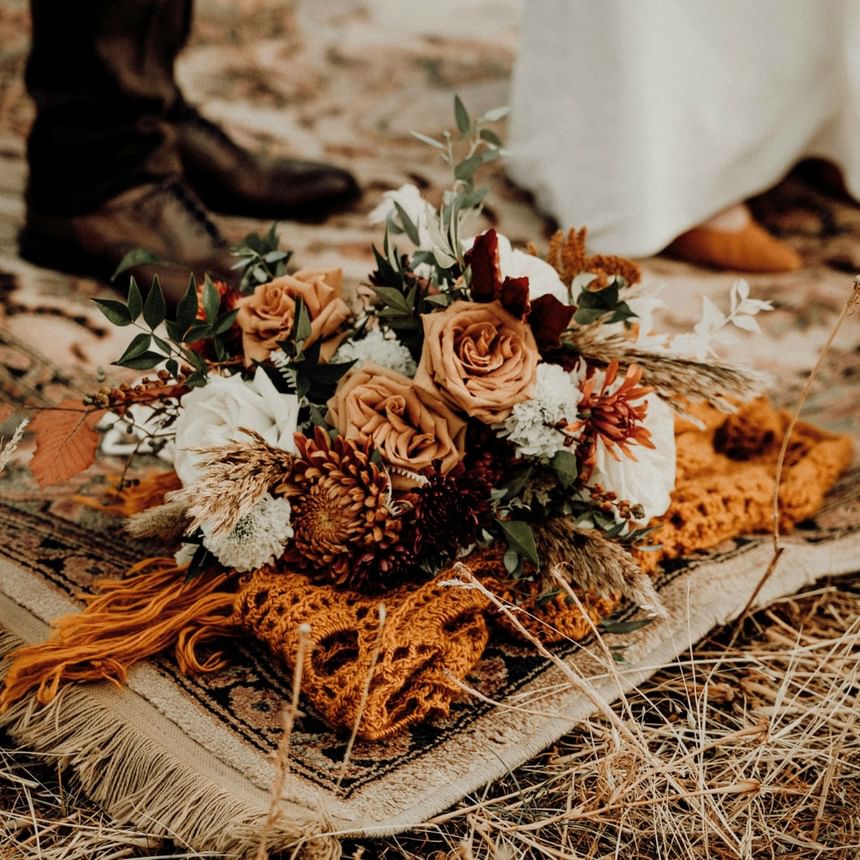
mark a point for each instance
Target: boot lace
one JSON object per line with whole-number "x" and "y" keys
{"x": 189, "y": 202}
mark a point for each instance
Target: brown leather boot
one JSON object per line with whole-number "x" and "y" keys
{"x": 164, "y": 218}
{"x": 232, "y": 180}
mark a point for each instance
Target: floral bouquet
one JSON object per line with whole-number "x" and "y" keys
{"x": 474, "y": 415}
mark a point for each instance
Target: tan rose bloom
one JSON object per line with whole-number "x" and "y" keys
{"x": 409, "y": 426}
{"x": 481, "y": 358}
{"x": 266, "y": 315}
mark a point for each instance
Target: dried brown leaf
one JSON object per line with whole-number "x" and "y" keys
{"x": 66, "y": 441}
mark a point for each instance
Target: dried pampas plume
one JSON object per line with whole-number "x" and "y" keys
{"x": 588, "y": 560}
{"x": 167, "y": 522}
{"x": 235, "y": 477}
{"x": 8, "y": 448}
{"x": 674, "y": 377}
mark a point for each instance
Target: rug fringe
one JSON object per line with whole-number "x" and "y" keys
{"x": 137, "y": 780}
{"x": 156, "y": 608}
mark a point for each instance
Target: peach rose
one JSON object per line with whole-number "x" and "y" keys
{"x": 481, "y": 358}
{"x": 409, "y": 426}
{"x": 266, "y": 315}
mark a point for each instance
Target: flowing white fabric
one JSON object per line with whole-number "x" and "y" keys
{"x": 643, "y": 119}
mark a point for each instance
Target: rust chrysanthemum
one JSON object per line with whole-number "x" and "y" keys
{"x": 615, "y": 413}
{"x": 345, "y": 528}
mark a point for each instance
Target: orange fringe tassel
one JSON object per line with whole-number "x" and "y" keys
{"x": 131, "y": 619}
{"x": 135, "y": 496}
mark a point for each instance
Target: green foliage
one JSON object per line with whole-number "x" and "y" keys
{"x": 403, "y": 296}
{"x": 148, "y": 349}
{"x": 465, "y": 150}
{"x": 303, "y": 372}
{"x": 565, "y": 467}
{"x": 521, "y": 539}
{"x": 135, "y": 258}
{"x": 604, "y": 304}
{"x": 260, "y": 259}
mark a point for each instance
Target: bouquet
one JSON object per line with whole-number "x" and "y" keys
{"x": 474, "y": 419}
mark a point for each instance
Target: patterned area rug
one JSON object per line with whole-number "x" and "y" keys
{"x": 345, "y": 84}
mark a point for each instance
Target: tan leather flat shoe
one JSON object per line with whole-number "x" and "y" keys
{"x": 750, "y": 249}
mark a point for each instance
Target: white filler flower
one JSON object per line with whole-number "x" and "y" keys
{"x": 379, "y": 348}
{"x": 257, "y": 539}
{"x": 532, "y": 424}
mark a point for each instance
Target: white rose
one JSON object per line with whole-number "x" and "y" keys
{"x": 216, "y": 414}
{"x": 650, "y": 478}
{"x": 420, "y": 212}
{"x": 543, "y": 278}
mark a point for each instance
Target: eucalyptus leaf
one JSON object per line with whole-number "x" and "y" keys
{"x": 466, "y": 169}
{"x": 428, "y": 140}
{"x": 443, "y": 259}
{"x": 461, "y": 115}
{"x": 495, "y": 114}
{"x": 408, "y": 226}
{"x": 491, "y": 137}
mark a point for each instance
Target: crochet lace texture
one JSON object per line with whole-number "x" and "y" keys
{"x": 430, "y": 635}
{"x": 433, "y": 634}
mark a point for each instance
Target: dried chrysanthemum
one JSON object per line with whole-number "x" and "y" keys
{"x": 615, "y": 413}
{"x": 342, "y": 517}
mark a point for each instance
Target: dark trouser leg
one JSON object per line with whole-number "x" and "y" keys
{"x": 101, "y": 74}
